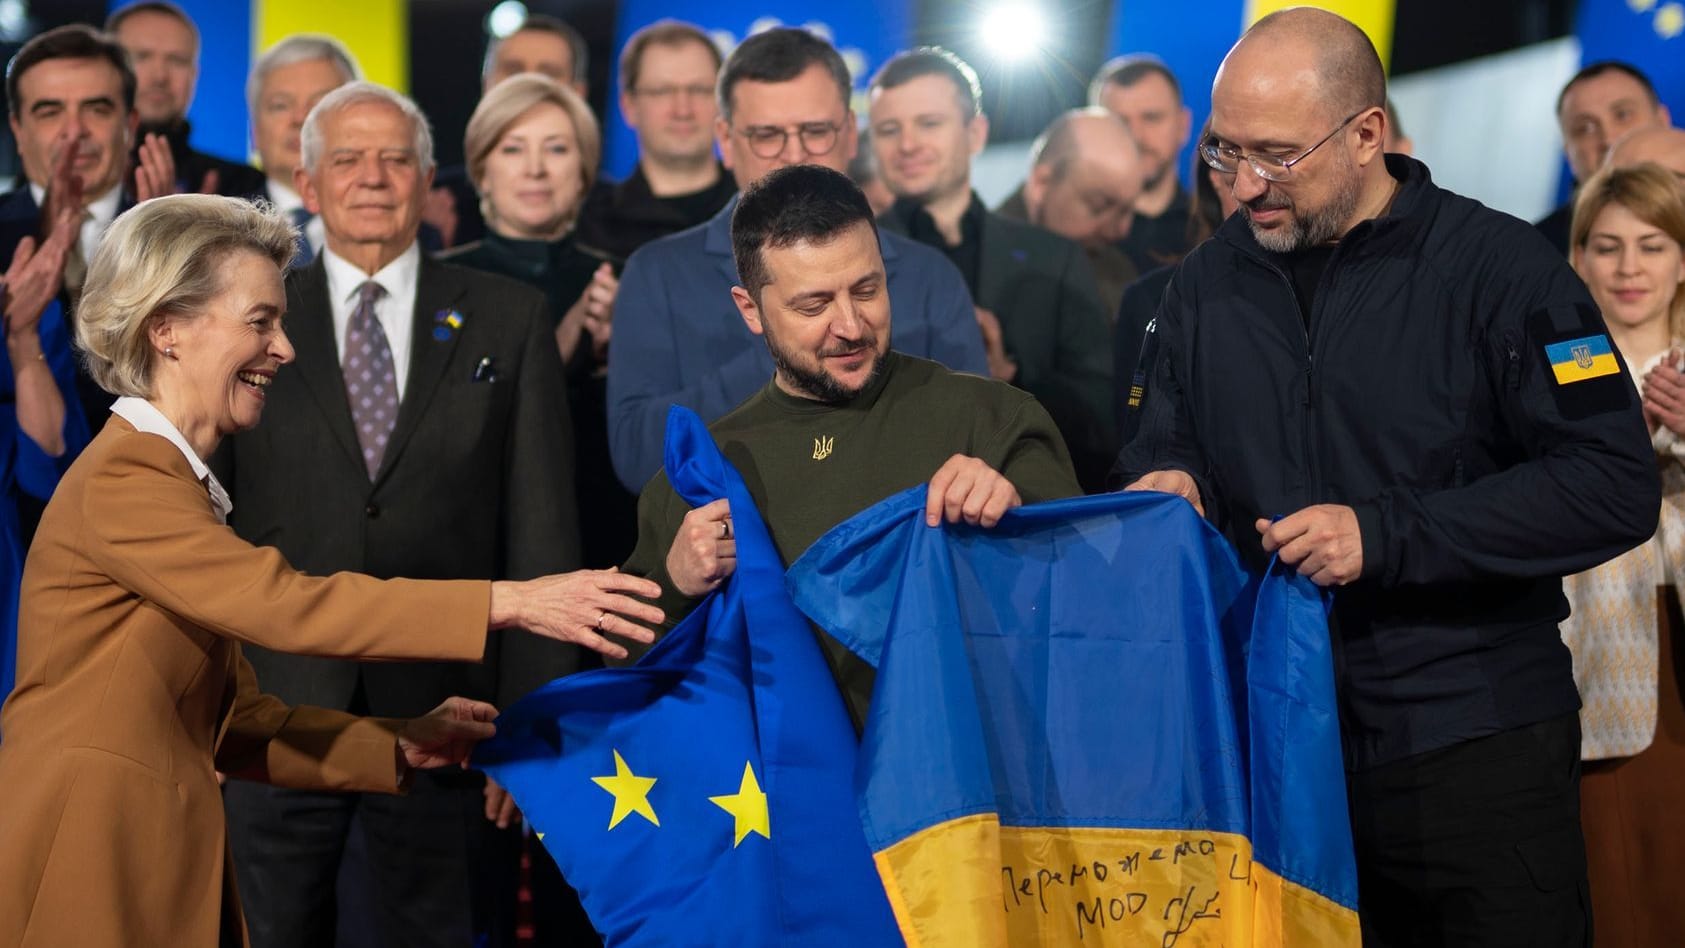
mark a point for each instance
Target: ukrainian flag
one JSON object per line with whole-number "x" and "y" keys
{"x": 1579, "y": 359}
{"x": 1090, "y": 726}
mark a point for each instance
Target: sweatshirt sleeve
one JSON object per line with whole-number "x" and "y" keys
{"x": 660, "y": 513}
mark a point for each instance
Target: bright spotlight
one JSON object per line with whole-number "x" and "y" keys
{"x": 506, "y": 18}
{"x": 1014, "y": 30}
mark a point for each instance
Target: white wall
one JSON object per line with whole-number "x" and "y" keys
{"x": 1487, "y": 127}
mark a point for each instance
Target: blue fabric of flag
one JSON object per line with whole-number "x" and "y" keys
{"x": 740, "y": 682}
{"x": 1095, "y": 677}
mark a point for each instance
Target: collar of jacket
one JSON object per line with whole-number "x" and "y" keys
{"x": 1411, "y": 207}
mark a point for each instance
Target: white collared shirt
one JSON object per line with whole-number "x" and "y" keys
{"x": 395, "y": 309}
{"x": 102, "y": 211}
{"x": 286, "y": 199}
{"x": 146, "y": 417}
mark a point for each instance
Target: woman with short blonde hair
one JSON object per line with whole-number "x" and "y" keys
{"x": 507, "y": 103}
{"x": 532, "y": 148}
{"x": 167, "y": 261}
{"x": 131, "y": 690}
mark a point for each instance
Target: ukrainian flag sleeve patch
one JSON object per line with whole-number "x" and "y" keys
{"x": 1588, "y": 357}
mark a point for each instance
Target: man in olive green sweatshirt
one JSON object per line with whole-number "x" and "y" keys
{"x": 844, "y": 422}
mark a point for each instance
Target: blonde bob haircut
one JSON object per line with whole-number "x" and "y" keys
{"x": 164, "y": 257}
{"x": 1653, "y": 195}
{"x": 507, "y": 103}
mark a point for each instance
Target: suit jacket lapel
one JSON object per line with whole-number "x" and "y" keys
{"x": 435, "y": 292}
{"x": 312, "y": 335}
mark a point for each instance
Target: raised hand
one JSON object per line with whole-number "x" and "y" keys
{"x": 35, "y": 274}
{"x": 155, "y": 175}
{"x": 64, "y": 188}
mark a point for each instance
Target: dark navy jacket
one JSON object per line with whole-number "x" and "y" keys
{"x": 679, "y": 340}
{"x": 1422, "y": 396}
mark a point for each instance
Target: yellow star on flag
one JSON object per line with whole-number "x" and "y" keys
{"x": 631, "y": 793}
{"x": 748, "y": 805}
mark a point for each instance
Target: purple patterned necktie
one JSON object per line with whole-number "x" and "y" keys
{"x": 369, "y": 379}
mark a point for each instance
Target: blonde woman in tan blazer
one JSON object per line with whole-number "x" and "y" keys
{"x": 131, "y": 691}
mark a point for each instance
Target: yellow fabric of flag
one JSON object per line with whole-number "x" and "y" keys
{"x": 1374, "y": 17}
{"x": 376, "y": 31}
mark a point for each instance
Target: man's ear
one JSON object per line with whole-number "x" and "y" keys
{"x": 722, "y": 138}
{"x": 1371, "y": 136}
{"x": 977, "y": 133}
{"x": 306, "y": 190}
{"x": 748, "y": 309}
{"x": 1035, "y": 186}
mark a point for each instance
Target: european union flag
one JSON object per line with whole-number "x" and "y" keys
{"x": 704, "y": 796}
{"x": 1649, "y": 35}
{"x": 1090, "y": 726}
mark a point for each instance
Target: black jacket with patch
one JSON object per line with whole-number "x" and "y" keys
{"x": 1422, "y": 396}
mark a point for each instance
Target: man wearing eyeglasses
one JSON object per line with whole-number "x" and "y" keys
{"x": 783, "y": 99}
{"x": 667, "y": 73}
{"x": 1412, "y": 400}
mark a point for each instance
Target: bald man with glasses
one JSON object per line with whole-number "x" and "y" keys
{"x": 783, "y": 100}
{"x": 1412, "y": 400}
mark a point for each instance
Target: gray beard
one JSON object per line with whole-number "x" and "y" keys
{"x": 1309, "y": 230}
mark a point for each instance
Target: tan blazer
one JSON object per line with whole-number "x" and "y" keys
{"x": 131, "y": 693}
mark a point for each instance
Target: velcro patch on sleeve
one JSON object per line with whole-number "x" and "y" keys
{"x": 1584, "y": 372}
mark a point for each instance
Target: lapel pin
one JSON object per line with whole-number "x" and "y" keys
{"x": 446, "y": 323}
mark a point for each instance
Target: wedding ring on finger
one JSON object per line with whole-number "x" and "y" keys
{"x": 725, "y": 529}
{"x": 602, "y": 617}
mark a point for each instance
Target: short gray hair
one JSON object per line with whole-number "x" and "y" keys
{"x": 165, "y": 257}
{"x": 299, "y": 48}
{"x": 360, "y": 93}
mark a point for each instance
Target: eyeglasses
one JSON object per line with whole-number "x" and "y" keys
{"x": 670, "y": 93}
{"x": 1227, "y": 160}
{"x": 768, "y": 141}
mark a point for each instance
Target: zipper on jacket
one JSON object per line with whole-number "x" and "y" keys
{"x": 1312, "y": 464}
{"x": 1512, "y": 364}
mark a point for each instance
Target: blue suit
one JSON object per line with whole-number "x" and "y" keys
{"x": 679, "y": 340}
{"x": 24, "y": 468}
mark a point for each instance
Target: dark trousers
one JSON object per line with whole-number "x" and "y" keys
{"x": 422, "y": 849}
{"x": 1475, "y": 845}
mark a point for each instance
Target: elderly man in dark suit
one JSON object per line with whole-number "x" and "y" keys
{"x": 1043, "y": 324}
{"x": 424, "y": 433}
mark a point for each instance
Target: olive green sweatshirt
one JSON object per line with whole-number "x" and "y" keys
{"x": 811, "y": 465}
